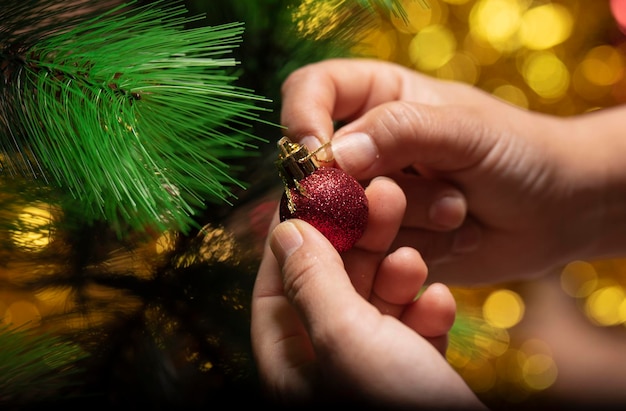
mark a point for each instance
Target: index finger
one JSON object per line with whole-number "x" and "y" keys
{"x": 317, "y": 95}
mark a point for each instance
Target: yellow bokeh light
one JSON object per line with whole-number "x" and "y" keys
{"x": 605, "y": 305}
{"x": 34, "y": 228}
{"x": 417, "y": 16}
{"x": 579, "y": 279}
{"x": 483, "y": 52}
{"x": 512, "y": 94}
{"x": 165, "y": 243}
{"x": 461, "y": 67}
{"x": 539, "y": 371}
{"x": 206, "y": 366}
{"x": 603, "y": 66}
{"x": 379, "y": 43}
{"x": 545, "y": 26}
{"x": 21, "y": 312}
{"x": 432, "y": 47}
{"x": 503, "y": 309}
{"x": 325, "y": 20}
{"x": 497, "y": 22}
{"x": 546, "y": 74}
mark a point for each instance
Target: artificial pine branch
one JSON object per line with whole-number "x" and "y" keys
{"x": 283, "y": 35}
{"x": 280, "y": 37}
{"x": 127, "y": 111}
{"x": 144, "y": 355}
{"x": 36, "y": 367}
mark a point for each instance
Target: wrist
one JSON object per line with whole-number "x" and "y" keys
{"x": 600, "y": 182}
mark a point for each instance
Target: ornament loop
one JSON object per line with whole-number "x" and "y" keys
{"x": 328, "y": 153}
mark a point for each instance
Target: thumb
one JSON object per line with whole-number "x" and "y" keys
{"x": 396, "y": 135}
{"x": 314, "y": 277}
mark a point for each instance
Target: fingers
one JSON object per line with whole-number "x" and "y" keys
{"x": 280, "y": 342}
{"x": 386, "y": 209}
{"x": 396, "y": 135}
{"x": 431, "y": 203}
{"x": 395, "y": 116}
{"x": 441, "y": 246}
{"x": 387, "y": 204}
{"x": 311, "y": 265}
{"x": 315, "y": 280}
{"x": 399, "y": 279}
{"x": 316, "y": 95}
{"x": 432, "y": 314}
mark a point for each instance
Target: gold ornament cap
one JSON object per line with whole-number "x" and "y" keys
{"x": 294, "y": 163}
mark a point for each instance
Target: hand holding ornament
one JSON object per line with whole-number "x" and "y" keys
{"x": 494, "y": 192}
{"x": 328, "y": 198}
{"x": 346, "y": 328}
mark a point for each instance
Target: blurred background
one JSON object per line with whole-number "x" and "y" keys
{"x": 560, "y": 338}
{"x": 164, "y": 321}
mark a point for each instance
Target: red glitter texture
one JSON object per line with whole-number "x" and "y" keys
{"x": 333, "y": 202}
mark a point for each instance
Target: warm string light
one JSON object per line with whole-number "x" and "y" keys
{"x": 600, "y": 289}
{"x": 545, "y": 56}
{"x": 537, "y": 55}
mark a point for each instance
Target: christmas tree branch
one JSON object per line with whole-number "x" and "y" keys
{"x": 129, "y": 112}
{"x": 26, "y": 357}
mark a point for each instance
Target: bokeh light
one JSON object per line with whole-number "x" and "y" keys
{"x": 607, "y": 305}
{"x": 603, "y": 65}
{"x": 546, "y": 75}
{"x": 20, "y": 313}
{"x": 503, "y": 309}
{"x": 579, "y": 279}
{"x": 541, "y": 51}
{"x": 558, "y": 57}
{"x": 432, "y": 47}
{"x": 545, "y": 26}
{"x": 33, "y": 227}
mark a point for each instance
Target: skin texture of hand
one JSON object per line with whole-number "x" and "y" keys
{"x": 330, "y": 328}
{"x": 494, "y": 192}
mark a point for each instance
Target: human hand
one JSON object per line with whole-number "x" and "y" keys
{"x": 347, "y": 328}
{"x": 494, "y": 192}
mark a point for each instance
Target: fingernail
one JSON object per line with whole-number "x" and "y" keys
{"x": 354, "y": 152}
{"x": 467, "y": 239}
{"x": 448, "y": 211}
{"x": 311, "y": 142}
{"x": 286, "y": 239}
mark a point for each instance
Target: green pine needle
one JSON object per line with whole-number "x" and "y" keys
{"x": 35, "y": 367}
{"x": 128, "y": 111}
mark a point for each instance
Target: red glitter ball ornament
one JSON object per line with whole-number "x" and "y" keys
{"x": 327, "y": 198}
